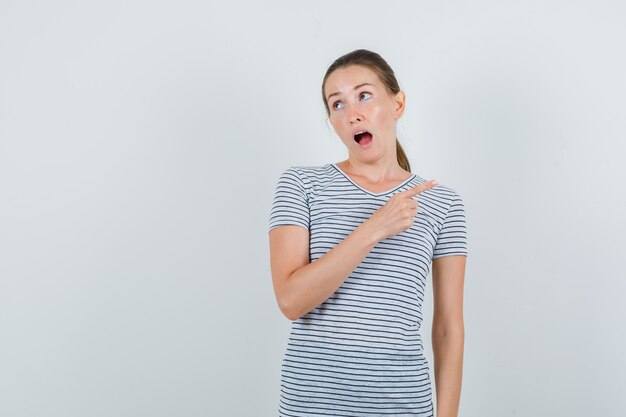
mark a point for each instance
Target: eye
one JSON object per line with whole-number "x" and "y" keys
{"x": 365, "y": 96}
{"x": 337, "y": 105}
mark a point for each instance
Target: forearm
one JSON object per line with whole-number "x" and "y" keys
{"x": 312, "y": 284}
{"x": 448, "y": 343}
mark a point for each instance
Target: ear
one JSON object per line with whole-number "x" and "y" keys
{"x": 399, "y": 101}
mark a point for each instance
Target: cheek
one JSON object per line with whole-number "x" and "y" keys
{"x": 381, "y": 116}
{"x": 338, "y": 125}
{"x": 332, "y": 119}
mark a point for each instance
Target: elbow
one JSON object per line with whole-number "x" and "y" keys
{"x": 291, "y": 316}
{"x": 288, "y": 309}
{"x": 289, "y": 303}
{"x": 456, "y": 329}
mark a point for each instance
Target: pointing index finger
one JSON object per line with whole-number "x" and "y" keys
{"x": 421, "y": 187}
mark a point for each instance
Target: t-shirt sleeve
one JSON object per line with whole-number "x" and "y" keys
{"x": 452, "y": 238}
{"x": 290, "y": 204}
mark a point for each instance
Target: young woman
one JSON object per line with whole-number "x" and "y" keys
{"x": 351, "y": 245}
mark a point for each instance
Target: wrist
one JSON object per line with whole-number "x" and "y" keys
{"x": 367, "y": 233}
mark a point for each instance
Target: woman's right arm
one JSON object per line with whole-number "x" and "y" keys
{"x": 301, "y": 286}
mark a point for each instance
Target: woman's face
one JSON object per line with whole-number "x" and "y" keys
{"x": 358, "y": 101}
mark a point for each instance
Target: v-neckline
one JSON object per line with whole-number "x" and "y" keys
{"x": 395, "y": 187}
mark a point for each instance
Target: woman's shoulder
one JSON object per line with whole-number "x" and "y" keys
{"x": 310, "y": 169}
{"x": 309, "y": 173}
{"x": 309, "y": 178}
{"x": 438, "y": 200}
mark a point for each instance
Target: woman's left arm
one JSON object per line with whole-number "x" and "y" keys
{"x": 448, "y": 331}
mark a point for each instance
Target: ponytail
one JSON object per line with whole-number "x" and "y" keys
{"x": 403, "y": 161}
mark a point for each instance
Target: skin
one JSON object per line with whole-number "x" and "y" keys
{"x": 301, "y": 286}
{"x": 372, "y": 108}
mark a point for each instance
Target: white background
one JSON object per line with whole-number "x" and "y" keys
{"x": 140, "y": 143}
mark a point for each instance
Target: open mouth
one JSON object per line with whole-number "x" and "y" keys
{"x": 363, "y": 138}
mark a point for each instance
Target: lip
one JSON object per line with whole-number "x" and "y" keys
{"x": 361, "y": 129}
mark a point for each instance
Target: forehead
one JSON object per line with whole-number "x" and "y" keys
{"x": 345, "y": 79}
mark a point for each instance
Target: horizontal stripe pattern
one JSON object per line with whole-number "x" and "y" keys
{"x": 360, "y": 352}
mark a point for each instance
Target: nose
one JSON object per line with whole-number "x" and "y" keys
{"x": 354, "y": 115}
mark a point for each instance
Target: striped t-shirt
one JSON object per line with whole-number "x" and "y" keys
{"x": 360, "y": 353}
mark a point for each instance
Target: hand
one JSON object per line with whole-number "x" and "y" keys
{"x": 398, "y": 213}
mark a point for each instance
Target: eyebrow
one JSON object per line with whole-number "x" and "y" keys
{"x": 355, "y": 88}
